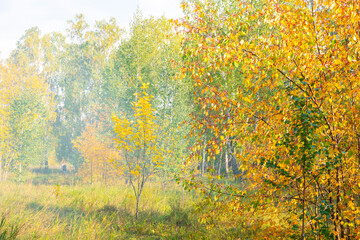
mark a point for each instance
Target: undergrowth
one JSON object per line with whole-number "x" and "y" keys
{"x": 97, "y": 212}
{"x": 40, "y": 210}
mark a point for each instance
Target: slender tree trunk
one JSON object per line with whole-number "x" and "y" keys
{"x": 137, "y": 206}
{"x": 5, "y": 172}
{"x": 91, "y": 172}
{"x": 20, "y": 173}
{"x": 46, "y": 166}
{"x": 138, "y": 196}
{"x": 338, "y": 200}
{"x": 317, "y": 237}
{"x": 234, "y": 166}
{"x": 203, "y": 157}
{"x": 1, "y": 172}
{"x": 303, "y": 203}
{"x": 220, "y": 158}
{"x": 105, "y": 174}
{"x": 358, "y": 147}
{"x": 226, "y": 162}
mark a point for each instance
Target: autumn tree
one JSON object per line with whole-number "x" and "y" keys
{"x": 28, "y": 112}
{"x": 137, "y": 140}
{"x": 6, "y": 155}
{"x": 216, "y": 79}
{"x": 100, "y": 156}
{"x": 151, "y": 53}
{"x": 295, "y": 112}
{"x": 71, "y": 65}
{"x": 36, "y": 54}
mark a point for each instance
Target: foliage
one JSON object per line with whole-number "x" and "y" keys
{"x": 138, "y": 142}
{"x": 71, "y": 65}
{"x": 27, "y": 114}
{"x": 151, "y": 53}
{"x": 100, "y": 156}
{"x": 78, "y": 88}
{"x": 92, "y": 71}
{"x": 272, "y": 137}
{"x": 292, "y": 117}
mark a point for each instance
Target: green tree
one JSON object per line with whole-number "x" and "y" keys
{"x": 28, "y": 116}
{"x": 82, "y": 62}
{"x": 151, "y": 53}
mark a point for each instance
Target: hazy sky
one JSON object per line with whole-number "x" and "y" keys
{"x": 51, "y": 15}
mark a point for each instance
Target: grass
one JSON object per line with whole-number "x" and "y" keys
{"x": 56, "y": 206}
{"x": 50, "y": 211}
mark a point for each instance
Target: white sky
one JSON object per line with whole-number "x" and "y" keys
{"x": 16, "y": 16}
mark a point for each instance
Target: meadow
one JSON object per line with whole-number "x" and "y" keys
{"x": 49, "y": 206}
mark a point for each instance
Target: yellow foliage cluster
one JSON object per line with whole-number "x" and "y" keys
{"x": 294, "y": 113}
{"x": 101, "y": 158}
{"x": 137, "y": 141}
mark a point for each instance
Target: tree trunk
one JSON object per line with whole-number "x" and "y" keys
{"x": 220, "y": 158}
{"x": 203, "y": 158}
{"x": 234, "y": 166}
{"x": 137, "y": 206}
{"x": 226, "y": 162}
{"x": 46, "y": 165}
{"x": 5, "y": 172}
{"x": 91, "y": 172}
{"x": 105, "y": 174}
{"x": 1, "y": 177}
{"x": 20, "y": 173}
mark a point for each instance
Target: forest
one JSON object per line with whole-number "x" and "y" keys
{"x": 240, "y": 120}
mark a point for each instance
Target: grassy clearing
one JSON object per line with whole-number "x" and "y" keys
{"x": 98, "y": 212}
{"x": 54, "y": 205}
{"x": 50, "y": 206}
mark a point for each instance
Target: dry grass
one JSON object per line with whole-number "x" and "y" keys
{"x": 49, "y": 206}
{"x": 97, "y": 212}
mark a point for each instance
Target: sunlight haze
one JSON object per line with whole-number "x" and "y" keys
{"x": 16, "y": 16}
